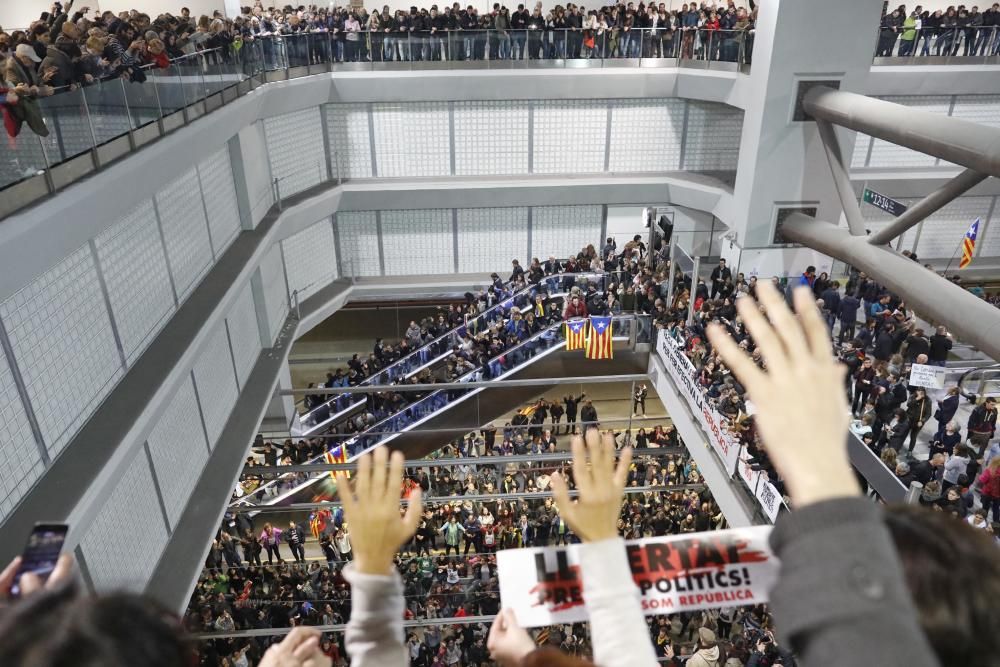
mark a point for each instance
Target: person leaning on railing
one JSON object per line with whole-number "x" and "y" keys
{"x": 21, "y": 77}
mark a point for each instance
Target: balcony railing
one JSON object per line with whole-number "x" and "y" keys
{"x": 979, "y": 45}
{"x": 88, "y": 127}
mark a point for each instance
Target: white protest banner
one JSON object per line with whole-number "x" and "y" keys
{"x": 760, "y": 486}
{"x": 721, "y": 568}
{"x": 685, "y": 377}
{"x": 922, "y": 375}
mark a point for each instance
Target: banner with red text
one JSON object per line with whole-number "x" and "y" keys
{"x": 686, "y": 378}
{"x": 721, "y": 568}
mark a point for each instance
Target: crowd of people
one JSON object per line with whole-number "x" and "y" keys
{"x": 829, "y": 606}
{"x": 447, "y": 567}
{"x": 921, "y": 32}
{"x": 67, "y": 48}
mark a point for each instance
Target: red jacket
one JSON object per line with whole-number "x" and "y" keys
{"x": 580, "y": 310}
{"x": 989, "y": 483}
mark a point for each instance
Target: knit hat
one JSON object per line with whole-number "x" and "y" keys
{"x": 706, "y": 636}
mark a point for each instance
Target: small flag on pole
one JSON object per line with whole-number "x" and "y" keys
{"x": 576, "y": 334}
{"x": 334, "y": 456}
{"x": 600, "y": 345}
{"x": 969, "y": 244}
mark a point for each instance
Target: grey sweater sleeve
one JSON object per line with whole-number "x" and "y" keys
{"x": 840, "y": 599}
{"x": 374, "y": 635}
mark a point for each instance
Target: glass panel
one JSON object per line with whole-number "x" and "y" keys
{"x": 169, "y": 88}
{"x": 141, "y": 99}
{"x": 192, "y": 83}
{"x": 22, "y": 156}
{"x": 106, "y": 101}
{"x": 68, "y": 123}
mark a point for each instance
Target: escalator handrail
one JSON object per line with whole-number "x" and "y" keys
{"x": 552, "y": 328}
{"x": 964, "y": 376}
{"x": 499, "y": 305}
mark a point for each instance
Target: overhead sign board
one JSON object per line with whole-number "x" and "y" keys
{"x": 881, "y": 201}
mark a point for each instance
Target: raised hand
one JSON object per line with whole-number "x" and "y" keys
{"x": 372, "y": 510}
{"x": 594, "y": 514}
{"x": 802, "y": 411}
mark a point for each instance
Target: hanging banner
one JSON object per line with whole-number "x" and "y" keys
{"x": 720, "y": 568}
{"x": 760, "y": 486}
{"x": 712, "y": 423}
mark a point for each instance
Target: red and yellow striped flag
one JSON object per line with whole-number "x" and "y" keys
{"x": 576, "y": 334}
{"x": 969, "y": 244}
{"x": 599, "y": 346}
{"x": 334, "y": 456}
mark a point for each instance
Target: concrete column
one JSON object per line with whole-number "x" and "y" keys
{"x": 281, "y": 408}
{"x": 782, "y": 162}
{"x": 252, "y": 173}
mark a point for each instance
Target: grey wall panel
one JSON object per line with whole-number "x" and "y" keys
{"x": 216, "y": 174}
{"x": 135, "y": 271}
{"x": 216, "y": 382}
{"x": 561, "y": 231}
{"x": 243, "y": 333}
{"x": 569, "y": 136}
{"x": 61, "y": 335}
{"x": 350, "y": 140}
{"x": 411, "y": 139}
{"x": 178, "y": 448}
{"x": 358, "y": 243}
{"x": 185, "y": 230}
{"x": 491, "y": 138}
{"x": 295, "y": 150}
{"x": 275, "y": 293}
{"x": 310, "y": 259}
{"x": 488, "y": 238}
{"x": 646, "y": 135}
{"x": 125, "y": 540}
{"x": 20, "y": 461}
{"x": 418, "y": 242}
{"x": 713, "y": 137}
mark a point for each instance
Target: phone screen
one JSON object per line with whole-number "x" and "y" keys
{"x": 40, "y": 555}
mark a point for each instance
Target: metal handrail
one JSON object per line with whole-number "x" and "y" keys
{"x": 988, "y": 373}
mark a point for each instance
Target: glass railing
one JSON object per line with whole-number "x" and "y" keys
{"x": 947, "y": 44}
{"x": 506, "y": 48}
{"x": 289, "y": 488}
{"x": 337, "y": 407}
{"x": 82, "y": 128}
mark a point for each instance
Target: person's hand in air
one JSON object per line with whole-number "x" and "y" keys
{"x": 802, "y": 411}
{"x": 508, "y": 642}
{"x": 300, "y": 648}
{"x": 371, "y": 508}
{"x": 594, "y": 515}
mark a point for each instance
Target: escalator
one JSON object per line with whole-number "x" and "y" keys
{"x": 333, "y": 412}
{"x": 423, "y": 426}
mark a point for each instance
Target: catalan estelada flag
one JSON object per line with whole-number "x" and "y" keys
{"x": 599, "y": 346}
{"x": 334, "y": 456}
{"x": 969, "y": 244}
{"x": 576, "y": 334}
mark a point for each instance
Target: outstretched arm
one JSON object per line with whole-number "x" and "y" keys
{"x": 375, "y": 632}
{"x": 833, "y": 604}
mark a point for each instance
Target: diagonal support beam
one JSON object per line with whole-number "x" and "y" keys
{"x": 928, "y": 205}
{"x": 841, "y": 179}
{"x": 973, "y": 320}
{"x": 953, "y": 140}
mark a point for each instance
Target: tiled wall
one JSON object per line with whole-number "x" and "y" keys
{"x": 310, "y": 259}
{"x": 494, "y": 138}
{"x": 295, "y": 149}
{"x": 72, "y": 333}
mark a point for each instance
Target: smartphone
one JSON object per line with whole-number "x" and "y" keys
{"x": 41, "y": 553}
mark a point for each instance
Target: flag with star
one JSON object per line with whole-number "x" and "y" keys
{"x": 576, "y": 334}
{"x": 334, "y": 456}
{"x": 969, "y": 244}
{"x": 599, "y": 344}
